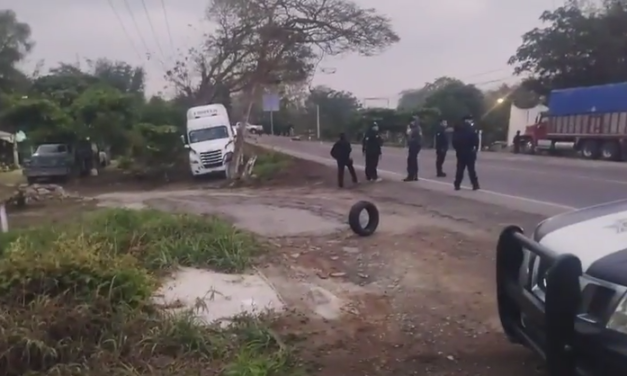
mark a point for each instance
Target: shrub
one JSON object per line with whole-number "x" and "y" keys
{"x": 271, "y": 163}
{"x": 71, "y": 264}
{"x": 75, "y": 300}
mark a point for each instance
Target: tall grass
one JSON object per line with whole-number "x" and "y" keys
{"x": 76, "y": 300}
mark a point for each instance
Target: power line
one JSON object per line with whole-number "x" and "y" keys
{"x": 152, "y": 28}
{"x": 141, "y": 37}
{"x": 491, "y": 81}
{"x": 483, "y": 73}
{"x": 128, "y": 36}
{"x": 167, "y": 24}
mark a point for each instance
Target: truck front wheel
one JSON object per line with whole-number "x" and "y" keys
{"x": 590, "y": 149}
{"x": 610, "y": 151}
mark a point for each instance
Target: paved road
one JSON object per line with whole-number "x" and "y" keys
{"x": 558, "y": 183}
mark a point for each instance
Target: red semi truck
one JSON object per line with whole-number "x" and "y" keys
{"x": 590, "y": 120}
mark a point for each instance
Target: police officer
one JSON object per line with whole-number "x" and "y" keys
{"x": 371, "y": 148}
{"x": 341, "y": 152}
{"x": 441, "y": 147}
{"x": 466, "y": 144}
{"x": 516, "y": 142}
{"x": 414, "y": 144}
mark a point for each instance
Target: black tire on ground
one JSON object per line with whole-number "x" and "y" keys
{"x": 610, "y": 151}
{"x": 30, "y": 180}
{"x": 373, "y": 218}
{"x": 590, "y": 149}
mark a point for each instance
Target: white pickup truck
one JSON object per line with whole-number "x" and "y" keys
{"x": 254, "y": 129}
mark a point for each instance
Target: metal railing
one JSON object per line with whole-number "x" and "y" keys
{"x": 555, "y": 316}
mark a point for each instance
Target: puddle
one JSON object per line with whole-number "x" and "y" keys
{"x": 217, "y": 296}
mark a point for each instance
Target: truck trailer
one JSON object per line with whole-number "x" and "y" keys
{"x": 590, "y": 120}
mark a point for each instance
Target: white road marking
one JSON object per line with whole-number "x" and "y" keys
{"x": 328, "y": 160}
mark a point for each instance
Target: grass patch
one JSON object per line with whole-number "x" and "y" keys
{"x": 271, "y": 163}
{"x": 75, "y": 299}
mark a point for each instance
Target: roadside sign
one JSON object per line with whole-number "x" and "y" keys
{"x": 271, "y": 102}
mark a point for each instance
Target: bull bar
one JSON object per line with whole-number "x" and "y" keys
{"x": 556, "y": 315}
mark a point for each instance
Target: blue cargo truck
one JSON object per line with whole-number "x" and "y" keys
{"x": 591, "y": 120}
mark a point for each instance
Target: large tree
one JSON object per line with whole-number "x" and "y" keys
{"x": 456, "y": 99}
{"x": 579, "y": 46}
{"x": 413, "y": 99}
{"x": 119, "y": 74}
{"x": 15, "y": 44}
{"x": 336, "y": 109}
{"x": 259, "y": 42}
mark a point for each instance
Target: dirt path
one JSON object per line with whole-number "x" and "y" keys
{"x": 415, "y": 298}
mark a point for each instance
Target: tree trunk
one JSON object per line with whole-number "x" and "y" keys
{"x": 236, "y": 166}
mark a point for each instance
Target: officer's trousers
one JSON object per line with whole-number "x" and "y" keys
{"x": 372, "y": 162}
{"x": 341, "y": 166}
{"x": 466, "y": 160}
{"x": 440, "y": 156}
{"x": 412, "y": 164}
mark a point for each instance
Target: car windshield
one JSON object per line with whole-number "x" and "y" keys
{"x": 208, "y": 134}
{"x": 51, "y": 149}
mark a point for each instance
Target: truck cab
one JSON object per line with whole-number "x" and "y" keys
{"x": 534, "y": 134}
{"x": 210, "y": 140}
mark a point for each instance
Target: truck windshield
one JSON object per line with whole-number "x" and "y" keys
{"x": 208, "y": 134}
{"x": 51, "y": 149}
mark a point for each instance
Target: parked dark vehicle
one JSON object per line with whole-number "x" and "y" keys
{"x": 562, "y": 291}
{"x": 59, "y": 161}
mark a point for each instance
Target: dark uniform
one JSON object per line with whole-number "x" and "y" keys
{"x": 414, "y": 144}
{"x": 517, "y": 142}
{"x": 441, "y": 148}
{"x": 341, "y": 152}
{"x": 371, "y": 147}
{"x": 466, "y": 144}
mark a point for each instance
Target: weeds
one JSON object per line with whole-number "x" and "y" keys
{"x": 76, "y": 300}
{"x": 270, "y": 163}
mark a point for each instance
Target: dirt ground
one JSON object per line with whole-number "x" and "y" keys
{"x": 417, "y": 297}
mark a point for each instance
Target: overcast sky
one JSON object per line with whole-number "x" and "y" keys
{"x": 459, "y": 38}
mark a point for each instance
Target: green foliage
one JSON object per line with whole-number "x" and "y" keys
{"x": 456, "y": 100}
{"x": 64, "y": 88}
{"x": 577, "y": 47}
{"x": 337, "y": 109}
{"x": 105, "y": 104}
{"x": 269, "y": 164}
{"x": 15, "y": 44}
{"x": 159, "y": 111}
{"x": 414, "y": 99}
{"x": 106, "y": 115}
{"x": 119, "y": 75}
{"x": 40, "y": 119}
{"x": 155, "y": 149}
{"x": 76, "y": 300}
